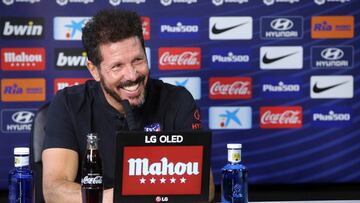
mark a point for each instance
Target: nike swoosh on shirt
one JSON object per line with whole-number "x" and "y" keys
{"x": 317, "y": 89}
{"x": 267, "y": 60}
{"x": 217, "y": 31}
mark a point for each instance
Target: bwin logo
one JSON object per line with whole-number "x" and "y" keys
{"x": 31, "y": 29}
{"x": 332, "y": 54}
{"x": 281, "y": 24}
{"x": 23, "y": 117}
{"x": 64, "y": 60}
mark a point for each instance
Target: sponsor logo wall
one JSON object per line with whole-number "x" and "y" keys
{"x": 284, "y": 85}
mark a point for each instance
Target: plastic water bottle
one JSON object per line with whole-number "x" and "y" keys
{"x": 234, "y": 184}
{"x": 21, "y": 178}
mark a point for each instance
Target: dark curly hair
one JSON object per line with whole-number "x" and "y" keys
{"x": 109, "y": 25}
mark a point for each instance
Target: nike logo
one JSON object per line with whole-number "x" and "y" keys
{"x": 267, "y": 60}
{"x": 317, "y": 89}
{"x": 217, "y": 31}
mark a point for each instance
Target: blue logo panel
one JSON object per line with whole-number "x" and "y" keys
{"x": 233, "y": 58}
{"x": 334, "y": 116}
{"x": 274, "y": 87}
{"x": 179, "y": 28}
{"x": 287, "y": 27}
{"x": 332, "y": 57}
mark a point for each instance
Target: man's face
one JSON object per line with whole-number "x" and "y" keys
{"x": 124, "y": 71}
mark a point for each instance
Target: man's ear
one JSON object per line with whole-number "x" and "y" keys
{"x": 94, "y": 71}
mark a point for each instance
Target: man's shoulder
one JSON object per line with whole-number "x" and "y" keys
{"x": 77, "y": 95}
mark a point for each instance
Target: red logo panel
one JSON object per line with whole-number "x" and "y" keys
{"x": 281, "y": 117}
{"x": 61, "y": 83}
{"x": 230, "y": 88}
{"x": 179, "y": 58}
{"x": 146, "y": 27}
{"x": 171, "y": 170}
{"x": 23, "y": 59}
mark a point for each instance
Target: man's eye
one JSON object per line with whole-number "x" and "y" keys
{"x": 138, "y": 60}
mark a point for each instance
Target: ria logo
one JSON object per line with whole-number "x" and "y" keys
{"x": 282, "y": 24}
{"x": 332, "y": 54}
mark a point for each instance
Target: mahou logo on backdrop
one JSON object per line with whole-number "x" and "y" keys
{"x": 22, "y": 59}
{"x": 61, "y": 83}
{"x": 172, "y": 170}
{"x": 230, "y": 88}
{"x": 179, "y": 58}
{"x": 281, "y": 117}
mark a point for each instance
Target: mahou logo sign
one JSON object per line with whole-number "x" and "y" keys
{"x": 172, "y": 170}
{"x": 146, "y": 27}
{"x": 23, "y": 59}
{"x": 179, "y": 58}
{"x": 230, "y": 88}
{"x": 61, "y": 83}
{"x": 281, "y": 117}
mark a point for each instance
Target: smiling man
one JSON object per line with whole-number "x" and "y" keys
{"x": 121, "y": 97}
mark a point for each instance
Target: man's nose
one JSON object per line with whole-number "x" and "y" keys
{"x": 130, "y": 73}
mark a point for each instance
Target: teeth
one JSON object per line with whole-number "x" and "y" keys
{"x": 131, "y": 88}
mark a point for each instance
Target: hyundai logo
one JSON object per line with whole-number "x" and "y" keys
{"x": 332, "y": 54}
{"x": 23, "y": 117}
{"x": 281, "y": 24}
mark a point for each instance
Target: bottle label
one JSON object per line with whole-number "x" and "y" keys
{"x": 92, "y": 179}
{"x": 21, "y": 161}
{"x": 234, "y": 155}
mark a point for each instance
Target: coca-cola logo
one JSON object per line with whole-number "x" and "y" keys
{"x": 230, "y": 88}
{"x": 179, "y": 58}
{"x": 146, "y": 27}
{"x": 92, "y": 180}
{"x": 281, "y": 117}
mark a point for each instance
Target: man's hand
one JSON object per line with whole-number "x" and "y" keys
{"x": 108, "y": 195}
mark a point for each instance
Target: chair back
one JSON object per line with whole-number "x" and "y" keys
{"x": 36, "y": 146}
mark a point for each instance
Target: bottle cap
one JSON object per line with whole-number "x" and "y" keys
{"x": 21, "y": 151}
{"x": 234, "y": 146}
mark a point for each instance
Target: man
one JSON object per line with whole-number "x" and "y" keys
{"x": 122, "y": 97}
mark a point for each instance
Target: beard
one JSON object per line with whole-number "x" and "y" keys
{"x": 114, "y": 95}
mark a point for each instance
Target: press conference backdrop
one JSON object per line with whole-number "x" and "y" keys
{"x": 277, "y": 76}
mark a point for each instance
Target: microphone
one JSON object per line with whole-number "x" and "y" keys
{"x": 128, "y": 114}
